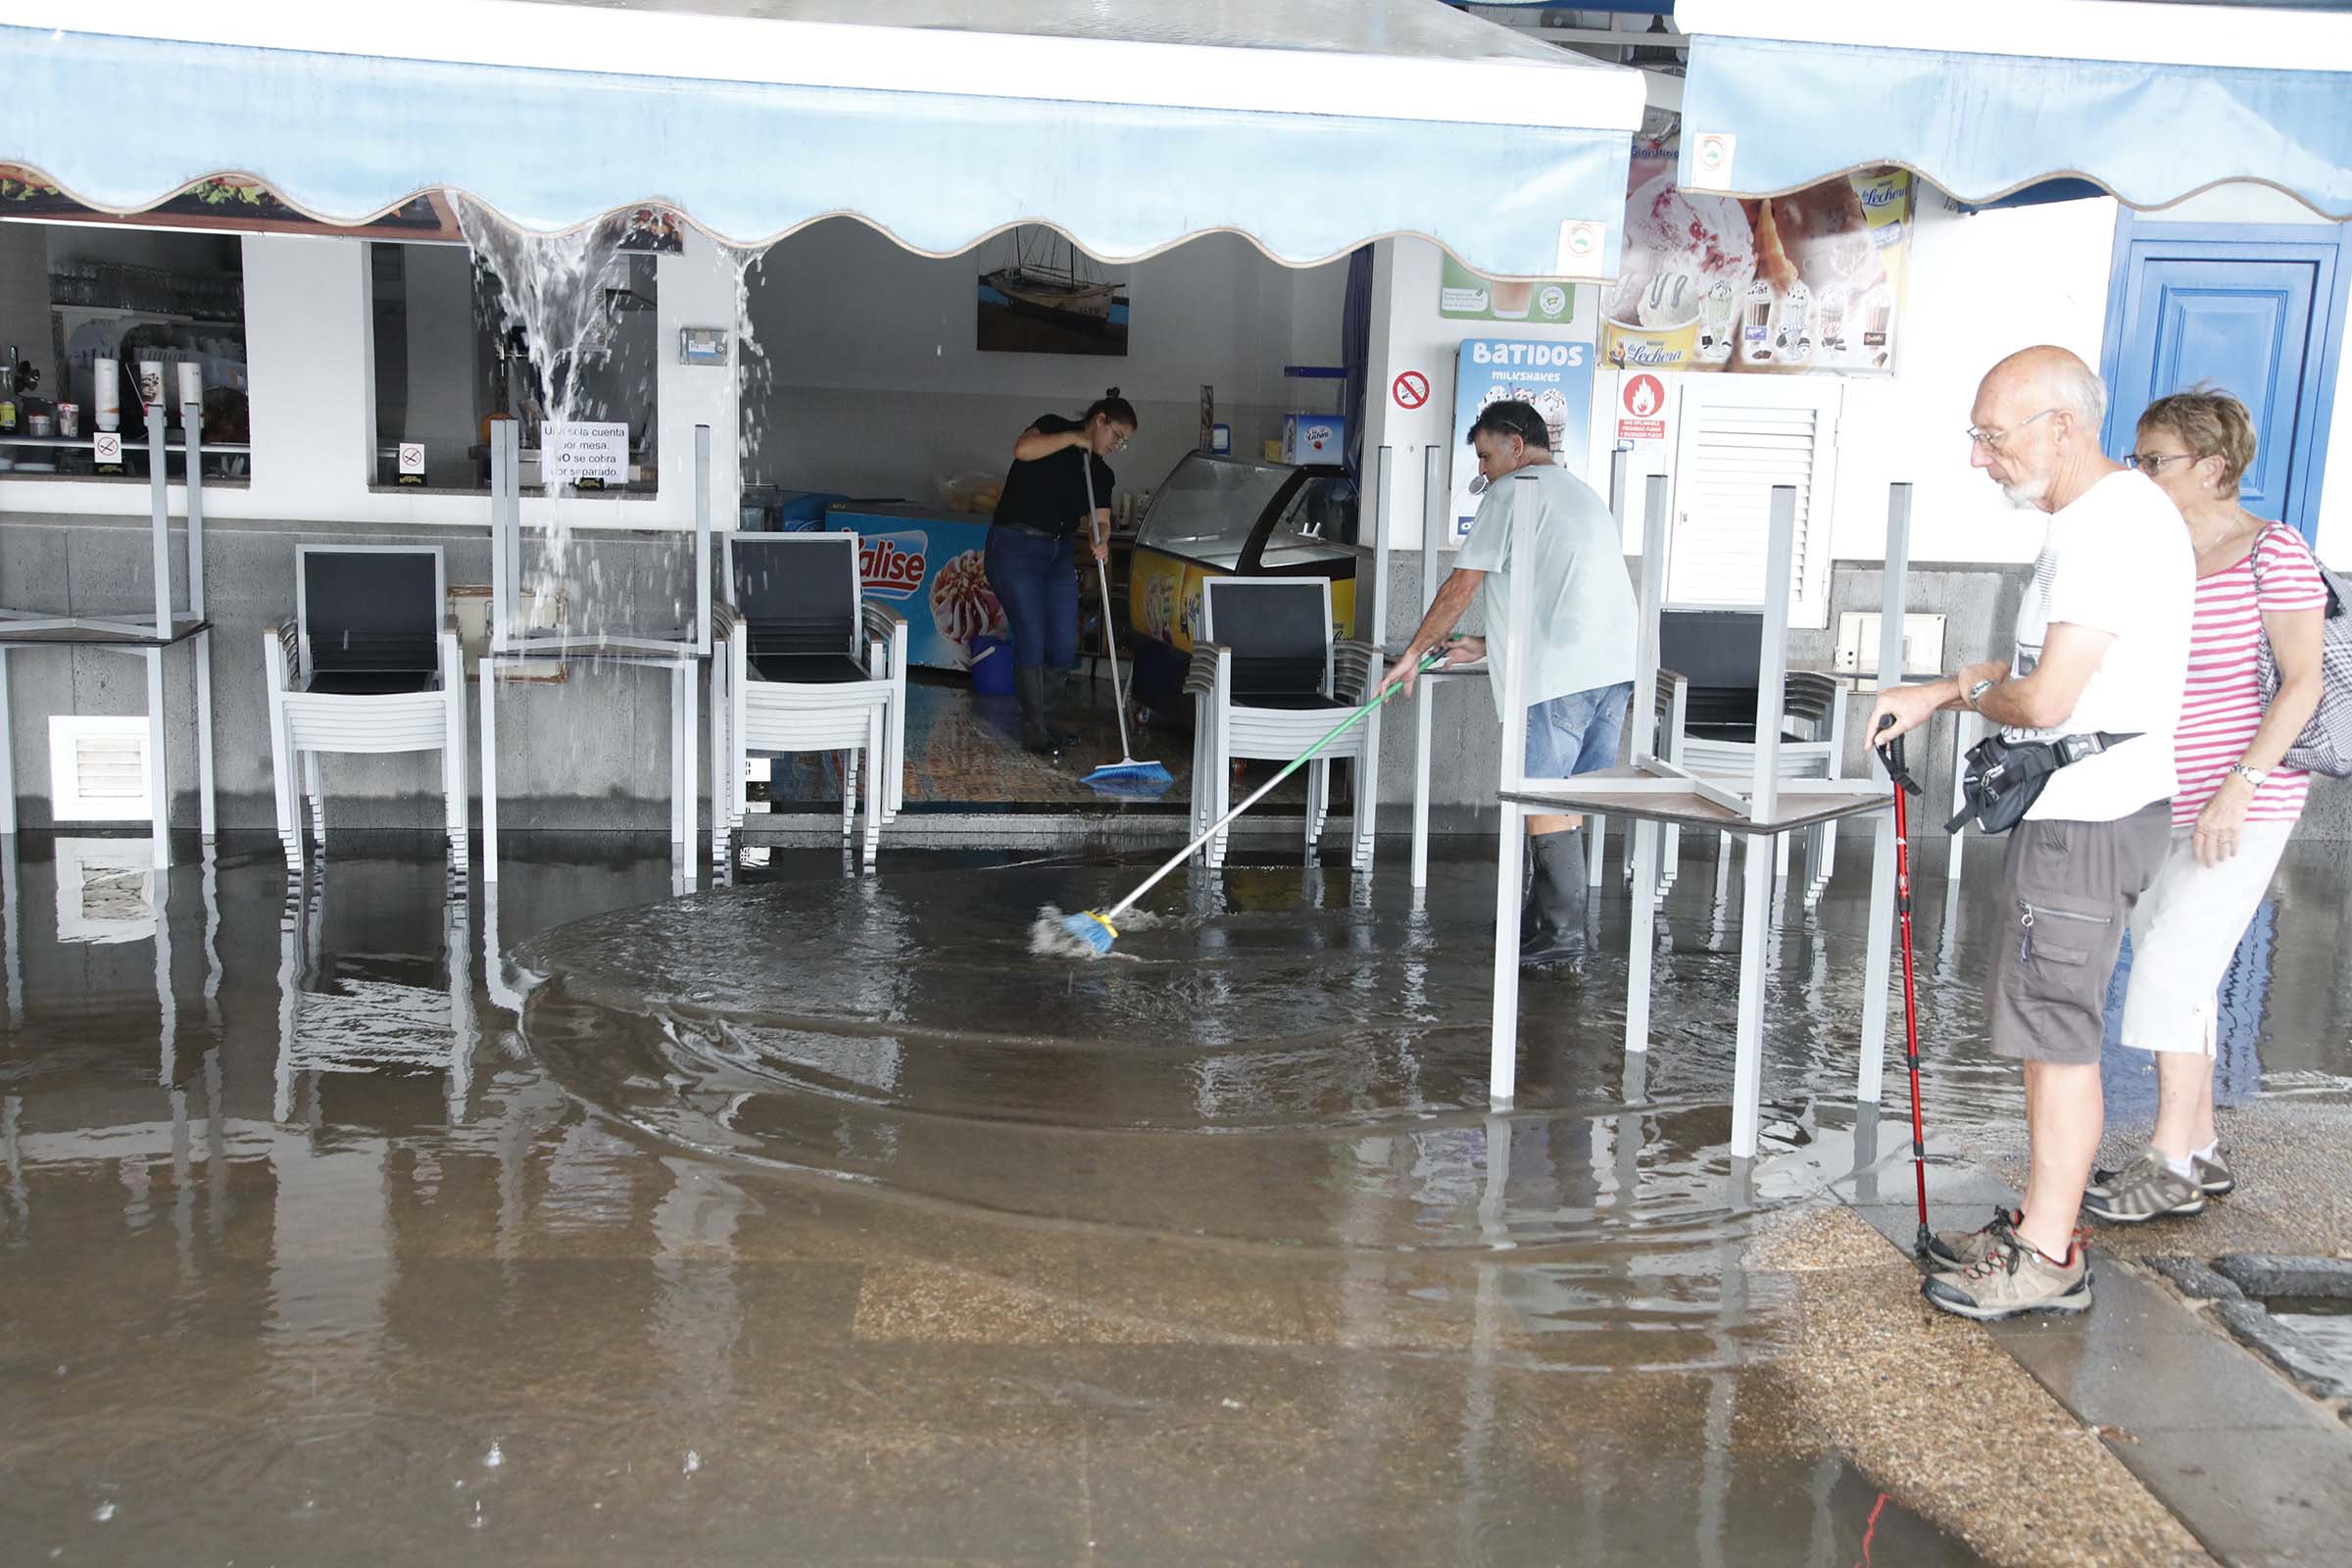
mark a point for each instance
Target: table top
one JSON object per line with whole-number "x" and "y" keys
{"x": 1594, "y": 792}
{"x": 88, "y": 636}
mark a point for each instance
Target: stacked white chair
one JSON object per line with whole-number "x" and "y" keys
{"x": 1268, "y": 681}
{"x": 368, "y": 663}
{"x": 805, "y": 665}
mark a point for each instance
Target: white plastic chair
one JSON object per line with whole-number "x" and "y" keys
{"x": 368, "y": 664}
{"x": 804, "y": 664}
{"x": 1268, "y": 681}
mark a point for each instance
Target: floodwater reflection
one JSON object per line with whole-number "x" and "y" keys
{"x": 372, "y": 1214}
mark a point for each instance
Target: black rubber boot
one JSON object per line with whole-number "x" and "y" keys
{"x": 1557, "y": 934}
{"x": 1062, "y": 684}
{"x": 1029, "y": 685}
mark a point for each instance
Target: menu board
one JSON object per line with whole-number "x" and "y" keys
{"x": 1813, "y": 280}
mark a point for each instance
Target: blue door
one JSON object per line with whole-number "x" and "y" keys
{"x": 2195, "y": 303}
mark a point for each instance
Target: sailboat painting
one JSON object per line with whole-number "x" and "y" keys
{"x": 1046, "y": 297}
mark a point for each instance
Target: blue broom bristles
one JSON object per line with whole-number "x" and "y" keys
{"x": 1091, "y": 929}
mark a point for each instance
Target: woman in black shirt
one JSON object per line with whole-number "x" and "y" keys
{"x": 1029, "y": 564}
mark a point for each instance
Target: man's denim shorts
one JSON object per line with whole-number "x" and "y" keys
{"x": 1577, "y": 733}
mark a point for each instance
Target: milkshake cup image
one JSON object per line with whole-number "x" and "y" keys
{"x": 1832, "y": 320}
{"x": 1755, "y": 330}
{"x": 1715, "y": 316}
{"x": 150, "y": 383}
{"x": 1511, "y": 301}
{"x": 1554, "y": 409}
{"x": 1793, "y": 343}
{"x": 962, "y": 605}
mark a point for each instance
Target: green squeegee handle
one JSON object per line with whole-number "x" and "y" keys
{"x": 1264, "y": 790}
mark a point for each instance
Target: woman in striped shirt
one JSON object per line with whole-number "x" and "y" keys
{"x": 2234, "y": 807}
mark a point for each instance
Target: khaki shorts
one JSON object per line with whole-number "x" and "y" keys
{"x": 2067, "y": 889}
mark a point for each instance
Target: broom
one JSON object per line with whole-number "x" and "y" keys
{"x": 1151, "y": 777}
{"x": 1094, "y": 932}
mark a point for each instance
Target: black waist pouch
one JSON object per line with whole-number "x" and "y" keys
{"x": 2005, "y": 777}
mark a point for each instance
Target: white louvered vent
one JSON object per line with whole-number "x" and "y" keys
{"x": 98, "y": 769}
{"x": 1737, "y": 442}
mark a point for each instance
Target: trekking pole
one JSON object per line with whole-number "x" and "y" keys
{"x": 1891, "y": 758}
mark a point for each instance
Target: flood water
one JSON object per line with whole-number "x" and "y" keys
{"x": 381, "y": 1216}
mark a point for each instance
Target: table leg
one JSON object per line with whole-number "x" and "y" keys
{"x": 1502, "y": 1070}
{"x": 1962, "y": 740}
{"x": 677, "y": 768}
{"x": 159, "y": 791}
{"x": 1641, "y": 940}
{"x": 1597, "y": 829}
{"x": 206, "y": 822}
{"x": 1755, "y": 918}
{"x": 690, "y": 754}
{"x": 1421, "y": 712}
{"x": 7, "y": 759}
{"x": 489, "y": 684}
{"x": 1870, "y": 1073}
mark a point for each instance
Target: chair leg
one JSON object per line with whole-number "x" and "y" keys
{"x": 310, "y": 774}
{"x": 1364, "y": 807}
{"x": 877, "y": 784}
{"x": 849, "y": 795}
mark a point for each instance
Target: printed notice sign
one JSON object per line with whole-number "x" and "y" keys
{"x": 586, "y": 453}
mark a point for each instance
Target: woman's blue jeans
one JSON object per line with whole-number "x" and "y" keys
{"x": 1034, "y": 581}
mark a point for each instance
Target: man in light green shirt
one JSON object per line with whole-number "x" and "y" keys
{"x": 1579, "y": 680}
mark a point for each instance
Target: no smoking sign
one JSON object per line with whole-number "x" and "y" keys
{"x": 1410, "y": 389}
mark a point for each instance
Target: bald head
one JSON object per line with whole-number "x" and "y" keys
{"x": 2046, "y": 377}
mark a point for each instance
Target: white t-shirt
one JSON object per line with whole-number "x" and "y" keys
{"x": 2117, "y": 560}
{"x": 1580, "y": 602}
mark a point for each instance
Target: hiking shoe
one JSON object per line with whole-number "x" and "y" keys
{"x": 2215, "y": 1178}
{"x": 2142, "y": 1191}
{"x": 1957, "y": 1251}
{"x": 2013, "y": 1279}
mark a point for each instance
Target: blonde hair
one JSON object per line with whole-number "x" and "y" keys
{"x": 2211, "y": 423}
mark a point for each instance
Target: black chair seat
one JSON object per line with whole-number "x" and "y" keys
{"x": 371, "y": 682}
{"x": 808, "y": 669}
{"x": 1290, "y": 702}
{"x": 1745, "y": 734}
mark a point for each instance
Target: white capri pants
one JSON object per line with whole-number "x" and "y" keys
{"x": 2185, "y": 929}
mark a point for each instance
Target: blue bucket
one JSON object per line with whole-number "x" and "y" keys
{"x": 992, "y": 665}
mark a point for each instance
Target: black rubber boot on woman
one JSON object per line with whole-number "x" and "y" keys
{"x": 1029, "y": 685}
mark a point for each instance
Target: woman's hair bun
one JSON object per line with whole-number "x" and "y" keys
{"x": 1111, "y": 393}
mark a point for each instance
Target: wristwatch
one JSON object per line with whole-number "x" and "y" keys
{"x": 2252, "y": 775}
{"x": 1975, "y": 693}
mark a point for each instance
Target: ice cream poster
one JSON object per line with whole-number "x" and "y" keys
{"x": 1557, "y": 377}
{"x": 1809, "y": 281}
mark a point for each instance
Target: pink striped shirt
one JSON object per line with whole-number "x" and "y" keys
{"x": 2221, "y": 708}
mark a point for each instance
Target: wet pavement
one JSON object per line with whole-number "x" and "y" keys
{"x": 384, "y": 1217}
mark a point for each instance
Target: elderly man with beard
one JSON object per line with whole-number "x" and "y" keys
{"x": 2101, "y": 645}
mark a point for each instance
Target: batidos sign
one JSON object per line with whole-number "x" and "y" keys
{"x": 1567, "y": 356}
{"x": 891, "y": 566}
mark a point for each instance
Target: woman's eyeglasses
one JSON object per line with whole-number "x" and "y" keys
{"x": 2152, "y": 464}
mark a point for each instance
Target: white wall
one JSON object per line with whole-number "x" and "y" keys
{"x": 1980, "y": 288}
{"x": 1408, "y": 335}
{"x": 310, "y": 351}
{"x": 875, "y": 386}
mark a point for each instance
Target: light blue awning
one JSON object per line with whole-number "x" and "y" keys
{"x": 1983, "y": 126}
{"x": 1510, "y": 154}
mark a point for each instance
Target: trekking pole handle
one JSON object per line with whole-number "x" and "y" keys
{"x": 1891, "y": 758}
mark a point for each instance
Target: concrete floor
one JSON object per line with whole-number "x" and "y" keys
{"x": 382, "y": 1217}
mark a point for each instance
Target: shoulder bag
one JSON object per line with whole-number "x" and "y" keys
{"x": 2326, "y": 743}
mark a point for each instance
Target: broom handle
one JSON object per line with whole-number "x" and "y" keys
{"x": 1111, "y": 647}
{"x": 1262, "y": 791}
